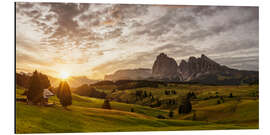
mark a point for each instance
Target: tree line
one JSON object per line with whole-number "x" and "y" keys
{"x": 38, "y": 82}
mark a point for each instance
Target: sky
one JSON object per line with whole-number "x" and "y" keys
{"x": 97, "y": 39}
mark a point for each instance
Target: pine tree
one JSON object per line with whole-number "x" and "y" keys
{"x": 145, "y": 94}
{"x": 231, "y": 95}
{"x": 64, "y": 94}
{"x": 34, "y": 93}
{"x": 171, "y": 113}
{"x": 106, "y": 104}
{"x": 150, "y": 94}
{"x": 185, "y": 106}
{"x": 44, "y": 81}
{"x": 218, "y": 102}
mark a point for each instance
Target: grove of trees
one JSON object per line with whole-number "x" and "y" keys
{"x": 37, "y": 83}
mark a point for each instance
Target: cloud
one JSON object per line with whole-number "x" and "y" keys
{"x": 23, "y": 58}
{"x": 231, "y": 46}
{"x": 207, "y": 10}
{"x": 246, "y": 63}
{"x": 106, "y": 37}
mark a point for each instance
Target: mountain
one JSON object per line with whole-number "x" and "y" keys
{"x": 130, "y": 74}
{"x": 165, "y": 67}
{"x": 203, "y": 70}
{"x": 74, "y": 81}
{"x": 22, "y": 79}
{"x": 196, "y": 67}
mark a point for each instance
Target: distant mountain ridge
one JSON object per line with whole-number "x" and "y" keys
{"x": 196, "y": 67}
{"x": 130, "y": 74}
{"x": 202, "y": 69}
{"x": 74, "y": 81}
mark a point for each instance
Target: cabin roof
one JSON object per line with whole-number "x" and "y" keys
{"x": 47, "y": 93}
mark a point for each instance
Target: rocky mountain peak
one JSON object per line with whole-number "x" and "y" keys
{"x": 165, "y": 67}
{"x": 197, "y": 66}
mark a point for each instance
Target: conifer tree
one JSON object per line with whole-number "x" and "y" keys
{"x": 106, "y": 104}
{"x": 185, "y": 106}
{"x": 171, "y": 113}
{"x": 64, "y": 94}
{"x": 34, "y": 93}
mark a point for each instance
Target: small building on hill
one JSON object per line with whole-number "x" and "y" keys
{"x": 46, "y": 94}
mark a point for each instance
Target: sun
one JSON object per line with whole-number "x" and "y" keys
{"x": 64, "y": 75}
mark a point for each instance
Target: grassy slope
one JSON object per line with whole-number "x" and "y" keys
{"x": 85, "y": 115}
{"x": 202, "y": 91}
{"x": 246, "y": 112}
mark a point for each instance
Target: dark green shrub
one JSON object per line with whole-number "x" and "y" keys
{"x": 171, "y": 113}
{"x": 106, "y": 104}
{"x": 161, "y": 116}
{"x": 231, "y": 95}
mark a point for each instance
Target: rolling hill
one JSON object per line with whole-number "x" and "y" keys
{"x": 86, "y": 115}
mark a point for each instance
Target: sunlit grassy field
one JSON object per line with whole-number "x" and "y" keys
{"x": 86, "y": 115}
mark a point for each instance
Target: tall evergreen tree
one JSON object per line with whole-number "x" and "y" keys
{"x": 150, "y": 94}
{"x": 145, "y": 94}
{"x": 44, "y": 81}
{"x": 35, "y": 90}
{"x": 106, "y": 104}
{"x": 64, "y": 94}
{"x": 171, "y": 113}
{"x": 185, "y": 106}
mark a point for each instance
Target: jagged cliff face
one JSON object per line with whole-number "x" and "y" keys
{"x": 196, "y": 67}
{"x": 165, "y": 67}
{"x": 202, "y": 69}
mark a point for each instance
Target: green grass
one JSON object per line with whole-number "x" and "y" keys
{"x": 202, "y": 91}
{"x": 246, "y": 113}
{"x": 86, "y": 115}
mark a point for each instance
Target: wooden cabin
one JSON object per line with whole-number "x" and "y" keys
{"x": 46, "y": 95}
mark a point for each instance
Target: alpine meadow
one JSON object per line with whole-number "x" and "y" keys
{"x": 89, "y": 67}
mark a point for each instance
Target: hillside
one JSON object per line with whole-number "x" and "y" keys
{"x": 86, "y": 115}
